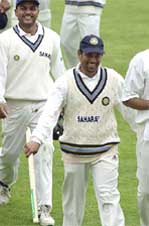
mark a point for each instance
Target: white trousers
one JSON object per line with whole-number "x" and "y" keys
{"x": 73, "y": 28}
{"x": 22, "y": 115}
{"x": 44, "y": 16}
{"x": 105, "y": 179}
{"x": 143, "y": 177}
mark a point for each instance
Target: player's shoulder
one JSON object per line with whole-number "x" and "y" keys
{"x": 63, "y": 80}
{"x": 142, "y": 55}
{"x": 111, "y": 72}
{"x": 67, "y": 75}
{"x": 114, "y": 77}
{"x": 51, "y": 33}
{"x": 6, "y": 34}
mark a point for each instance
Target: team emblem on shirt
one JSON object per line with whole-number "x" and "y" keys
{"x": 16, "y": 57}
{"x": 105, "y": 101}
{"x": 94, "y": 41}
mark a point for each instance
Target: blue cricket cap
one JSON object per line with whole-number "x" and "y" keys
{"x": 18, "y": 2}
{"x": 92, "y": 44}
{"x": 3, "y": 20}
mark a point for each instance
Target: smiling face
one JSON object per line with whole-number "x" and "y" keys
{"x": 27, "y": 14}
{"x": 89, "y": 63}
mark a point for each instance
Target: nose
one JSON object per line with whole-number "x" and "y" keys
{"x": 93, "y": 59}
{"x": 28, "y": 11}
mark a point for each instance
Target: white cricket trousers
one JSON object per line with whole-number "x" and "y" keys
{"x": 142, "y": 150}
{"x": 105, "y": 179}
{"x": 23, "y": 114}
{"x": 74, "y": 27}
{"x": 44, "y": 16}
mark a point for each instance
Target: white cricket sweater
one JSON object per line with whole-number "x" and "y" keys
{"x": 26, "y": 67}
{"x": 89, "y": 121}
{"x": 88, "y": 103}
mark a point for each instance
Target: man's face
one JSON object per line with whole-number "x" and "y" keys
{"x": 27, "y": 13}
{"x": 89, "y": 63}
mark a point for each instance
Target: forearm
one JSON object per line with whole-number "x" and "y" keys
{"x": 48, "y": 119}
{"x": 137, "y": 103}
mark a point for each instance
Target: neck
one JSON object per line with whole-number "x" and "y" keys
{"x": 87, "y": 73}
{"x": 29, "y": 29}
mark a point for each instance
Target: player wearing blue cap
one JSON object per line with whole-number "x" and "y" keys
{"x": 29, "y": 55}
{"x": 88, "y": 93}
{"x": 9, "y": 17}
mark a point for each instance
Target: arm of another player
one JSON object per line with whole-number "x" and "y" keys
{"x": 135, "y": 81}
{"x": 128, "y": 114}
{"x": 49, "y": 117}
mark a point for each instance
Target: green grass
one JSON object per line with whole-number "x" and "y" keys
{"x": 125, "y": 31}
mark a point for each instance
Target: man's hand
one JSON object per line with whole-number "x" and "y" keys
{"x": 3, "y": 110}
{"x": 31, "y": 148}
{"x": 4, "y": 6}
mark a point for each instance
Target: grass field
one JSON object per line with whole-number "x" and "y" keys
{"x": 124, "y": 29}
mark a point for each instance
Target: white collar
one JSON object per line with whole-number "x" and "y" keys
{"x": 38, "y": 32}
{"x": 85, "y": 76}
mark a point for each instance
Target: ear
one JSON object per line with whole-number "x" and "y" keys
{"x": 79, "y": 53}
{"x": 15, "y": 12}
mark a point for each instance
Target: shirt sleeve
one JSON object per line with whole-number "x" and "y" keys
{"x": 134, "y": 80}
{"x": 127, "y": 113}
{"x": 51, "y": 111}
{"x": 57, "y": 63}
{"x": 3, "y": 70}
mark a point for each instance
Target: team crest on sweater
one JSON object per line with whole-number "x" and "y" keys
{"x": 16, "y": 57}
{"x": 105, "y": 101}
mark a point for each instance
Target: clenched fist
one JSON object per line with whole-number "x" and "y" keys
{"x": 31, "y": 148}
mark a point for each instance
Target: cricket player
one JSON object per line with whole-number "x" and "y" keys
{"x": 8, "y": 6}
{"x": 30, "y": 57}
{"x": 88, "y": 93}
{"x": 136, "y": 96}
{"x": 80, "y": 18}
